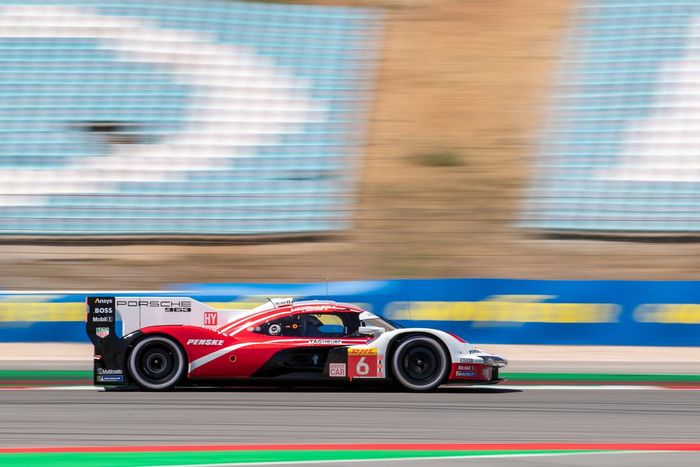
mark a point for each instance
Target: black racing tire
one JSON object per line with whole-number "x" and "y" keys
{"x": 156, "y": 363}
{"x": 420, "y": 363}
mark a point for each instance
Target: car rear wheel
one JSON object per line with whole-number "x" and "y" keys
{"x": 420, "y": 363}
{"x": 156, "y": 363}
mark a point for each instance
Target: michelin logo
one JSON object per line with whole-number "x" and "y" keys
{"x": 107, "y": 375}
{"x": 110, "y": 378}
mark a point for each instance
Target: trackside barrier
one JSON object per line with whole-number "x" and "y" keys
{"x": 481, "y": 310}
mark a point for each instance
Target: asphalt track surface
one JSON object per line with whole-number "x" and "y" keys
{"x": 258, "y": 415}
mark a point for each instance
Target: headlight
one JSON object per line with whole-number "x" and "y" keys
{"x": 493, "y": 360}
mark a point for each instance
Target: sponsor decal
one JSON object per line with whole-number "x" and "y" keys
{"x": 104, "y": 310}
{"x": 310, "y": 308}
{"x": 364, "y": 365}
{"x": 169, "y": 305}
{"x": 466, "y": 374}
{"x": 103, "y": 301}
{"x": 326, "y": 341}
{"x": 364, "y": 362}
{"x": 337, "y": 370}
{"x": 681, "y": 313}
{"x": 465, "y": 367}
{"x": 211, "y": 318}
{"x": 508, "y": 308}
{"x": 102, "y": 332}
{"x": 362, "y": 351}
{"x": 205, "y": 342}
{"x": 110, "y": 378}
{"x": 282, "y": 301}
{"x": 102, "y": 319}
{"x": 107, "y": 371}
{"x": 466, "y": 360}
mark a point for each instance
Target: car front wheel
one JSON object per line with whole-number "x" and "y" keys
{"x": 420, "y": 363}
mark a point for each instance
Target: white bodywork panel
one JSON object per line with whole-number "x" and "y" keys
{"x": 460, "y": 352}
{"x": 141, "y": 312}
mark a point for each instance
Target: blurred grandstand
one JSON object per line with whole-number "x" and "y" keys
{"x": 621, "y": 148}
{"x": 429, "y": 183}
{"x": 187, "y": 118}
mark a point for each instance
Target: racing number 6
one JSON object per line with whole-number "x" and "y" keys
{"x": 363, "y": 363}
{"x": 362, "y": 368}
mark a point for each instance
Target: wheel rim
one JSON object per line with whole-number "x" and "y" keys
{"x": 419, "y": 363}
{"x": 156, "y": 363}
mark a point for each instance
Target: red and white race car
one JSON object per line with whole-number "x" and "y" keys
{"x": 170, "y": 341}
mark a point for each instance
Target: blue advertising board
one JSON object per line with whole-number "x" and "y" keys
{"x": 505, "y": 311}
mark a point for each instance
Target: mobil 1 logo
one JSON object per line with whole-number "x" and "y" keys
{"x": 101, "y": 311}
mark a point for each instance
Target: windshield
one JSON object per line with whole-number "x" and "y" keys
{"x": 370, "y": 319}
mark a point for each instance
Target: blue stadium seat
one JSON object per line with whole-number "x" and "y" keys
{"x": 619, "y": 151}
{"x": 233, "y": 118}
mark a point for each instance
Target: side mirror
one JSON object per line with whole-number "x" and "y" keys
{"x": 372, "y": 331}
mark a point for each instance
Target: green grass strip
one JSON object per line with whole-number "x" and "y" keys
{"x": 142, "y": 459}
{"x": 20, "y": 375}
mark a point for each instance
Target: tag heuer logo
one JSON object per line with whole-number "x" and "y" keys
{"x": 102, "y": 332}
